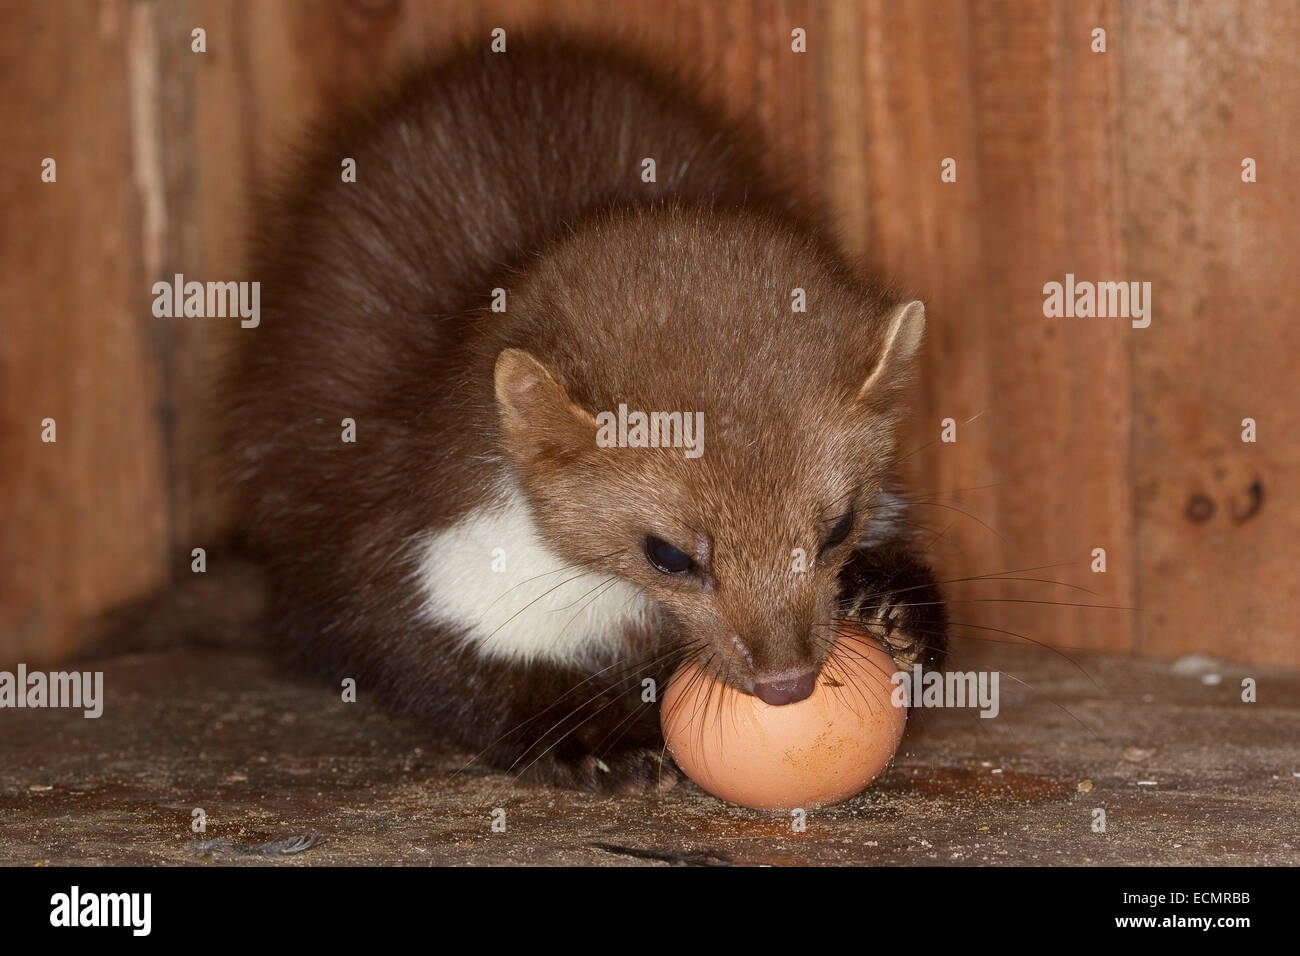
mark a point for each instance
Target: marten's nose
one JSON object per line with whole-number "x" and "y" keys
{"x": 785, "y": 688}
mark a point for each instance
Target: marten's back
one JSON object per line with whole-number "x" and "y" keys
{"x": 470, "y": 166}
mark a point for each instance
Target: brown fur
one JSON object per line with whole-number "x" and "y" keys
{"x": 690, "y": 309}
{"x": 522, "y": 171}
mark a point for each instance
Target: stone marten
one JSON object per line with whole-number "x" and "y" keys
{"x": 562, "y": 389}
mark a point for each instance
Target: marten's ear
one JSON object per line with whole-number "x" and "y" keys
{"x": 904, "y": 330}
{"x": 536, "y": 412}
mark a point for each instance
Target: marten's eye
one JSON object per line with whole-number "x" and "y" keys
{"x": 665, "y": 557}
{"x": 839, "y": 532}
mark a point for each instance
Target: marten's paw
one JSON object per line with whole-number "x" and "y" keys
{"x": 894, "y": 594}
{"x": 637, "y": 770}
{"x": 622, "y": 771}
{"x": 610, "y": 745}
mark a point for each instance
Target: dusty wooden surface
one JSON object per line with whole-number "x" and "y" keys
{"x": 1082, "y": 433}
{"x": 269, "y": 761}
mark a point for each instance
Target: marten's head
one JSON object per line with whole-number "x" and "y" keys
{"x": 704, "y": 405}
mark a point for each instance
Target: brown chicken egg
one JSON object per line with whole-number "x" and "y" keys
{"x": 813, "y": 753}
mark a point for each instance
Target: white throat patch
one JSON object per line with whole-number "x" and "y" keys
{"x": 492, "y": 575}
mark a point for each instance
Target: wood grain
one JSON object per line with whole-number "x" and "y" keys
{"x": 1206, "y": 86}
{"x": 84, "y": 521}
{"x": 1041, "y": 442}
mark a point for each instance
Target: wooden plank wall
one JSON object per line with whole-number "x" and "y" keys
{"x": 1072, "y": 434}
